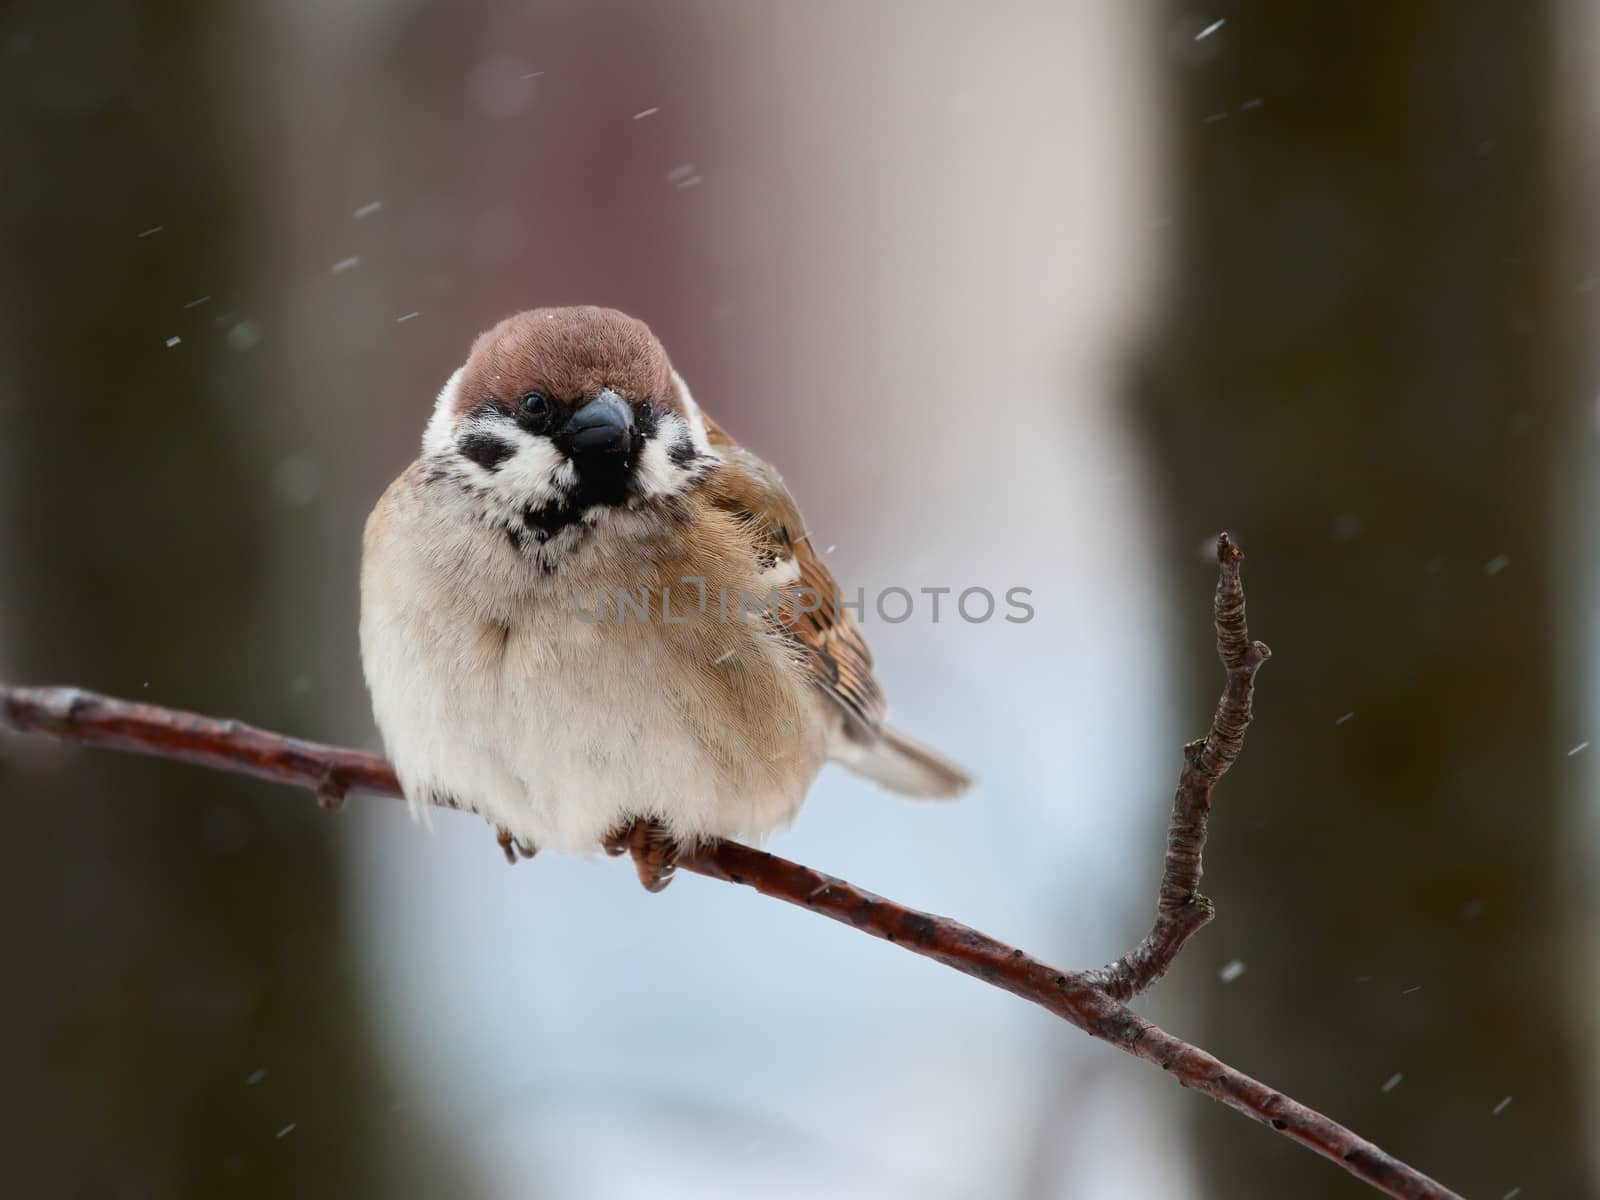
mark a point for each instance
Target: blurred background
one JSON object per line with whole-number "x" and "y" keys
{"x": 1322, "y": 275}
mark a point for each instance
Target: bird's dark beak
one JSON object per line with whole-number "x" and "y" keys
{"x": 602, "y": 426}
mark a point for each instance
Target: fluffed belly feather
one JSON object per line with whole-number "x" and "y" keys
{"x": 562, "y": 730}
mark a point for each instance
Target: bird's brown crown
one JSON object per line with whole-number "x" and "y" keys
{"x": 568, "y": 355}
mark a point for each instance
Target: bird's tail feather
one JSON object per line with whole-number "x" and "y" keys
{"x": 903, "y": 765}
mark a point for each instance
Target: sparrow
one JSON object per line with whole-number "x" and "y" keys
{"x": 592, "y": 617}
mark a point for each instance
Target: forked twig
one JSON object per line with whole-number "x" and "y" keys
{"x": 1181, "y": 911}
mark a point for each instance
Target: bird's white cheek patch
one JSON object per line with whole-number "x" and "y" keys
{"x": 656, "y": 474}
{"x": 691, "y": 410}
{"x": 537, "y": 472}
{"x": 438, "y": 437}
{"x": 504, "y": 458}
{"x": 677, "y": 455}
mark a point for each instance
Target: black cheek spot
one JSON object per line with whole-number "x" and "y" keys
{"x": 486, "y": 450}
{"x": 682, "y": 452}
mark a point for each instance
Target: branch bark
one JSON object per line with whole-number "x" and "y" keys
{"x": 1090, "y": 1000}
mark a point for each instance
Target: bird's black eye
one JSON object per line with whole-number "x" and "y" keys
{"x": 535, "y": 411}
{"x": 646, "y": 411}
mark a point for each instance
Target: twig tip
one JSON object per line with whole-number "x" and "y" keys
{"x": 1228, "y": 550}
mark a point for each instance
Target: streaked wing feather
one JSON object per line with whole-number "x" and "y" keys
{"x": 836, "y": 653}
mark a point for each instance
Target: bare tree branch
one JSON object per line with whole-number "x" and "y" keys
{"x": 1091, "y": 1000}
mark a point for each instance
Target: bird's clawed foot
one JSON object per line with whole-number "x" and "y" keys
{"x": 513, "y": 847}
{"x": 655, "y": 854}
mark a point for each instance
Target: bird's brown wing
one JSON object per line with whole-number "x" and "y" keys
{"x": 835, "y": 653}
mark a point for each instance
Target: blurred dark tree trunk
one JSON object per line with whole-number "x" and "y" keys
{"x": 1367, "y": 372}
{"x": 178, "y": 991}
